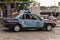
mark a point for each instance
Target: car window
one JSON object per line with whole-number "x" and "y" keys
{"x": 25, "y": 16}
{"x": 35, "y": 17}
{"x": 28, "y": 16}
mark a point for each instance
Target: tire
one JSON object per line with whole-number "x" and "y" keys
{"x": 16, "y": 28}
{"x": 49, "y": 28}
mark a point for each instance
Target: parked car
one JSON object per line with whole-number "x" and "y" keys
{"x": 28, "y": 20}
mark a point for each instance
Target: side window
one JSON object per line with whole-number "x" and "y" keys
{"x": 28, "y": 16}
{"x": 33, "y": 17}
{"x": 25, "y": 16}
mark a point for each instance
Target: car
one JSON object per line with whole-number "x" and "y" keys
{"x": 28, "y": 20}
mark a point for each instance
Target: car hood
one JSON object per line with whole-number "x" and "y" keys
{"x": 10, "y": 20}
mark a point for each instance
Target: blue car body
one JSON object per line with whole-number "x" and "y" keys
{"x": 30, "y": 23}
{"x": 28, "y": 20}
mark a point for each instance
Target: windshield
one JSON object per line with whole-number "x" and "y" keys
{"x": 18, "y": 16}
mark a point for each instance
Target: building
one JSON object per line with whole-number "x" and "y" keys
{"x": 55, "y": 11}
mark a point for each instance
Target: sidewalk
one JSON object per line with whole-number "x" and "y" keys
{"x": 58, "y": 23}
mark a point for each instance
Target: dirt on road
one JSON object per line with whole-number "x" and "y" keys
{"x": 6, "y": 34}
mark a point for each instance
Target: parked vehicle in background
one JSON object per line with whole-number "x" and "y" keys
{"x": 28, "y": 20}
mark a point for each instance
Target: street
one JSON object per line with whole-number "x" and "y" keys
{"x": 5, "y": 34}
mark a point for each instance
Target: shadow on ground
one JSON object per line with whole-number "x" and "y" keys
{"x": 25, "y": 30}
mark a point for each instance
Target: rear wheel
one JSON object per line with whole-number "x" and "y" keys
{"x": 49, "y": 28}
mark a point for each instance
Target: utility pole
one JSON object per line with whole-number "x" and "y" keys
{"x": 54, "y": 6}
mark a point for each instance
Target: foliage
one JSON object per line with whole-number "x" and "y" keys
{"x": 14, "y": 0}
{"x": 1, "y": 0}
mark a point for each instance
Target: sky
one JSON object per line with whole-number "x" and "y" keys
{"x": 48, "y": 2}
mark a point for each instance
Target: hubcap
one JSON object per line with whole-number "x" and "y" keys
{"x": 49, "y": 28}
{"x": 16, "y": 28}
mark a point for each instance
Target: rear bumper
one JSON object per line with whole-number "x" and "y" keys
{"x": 54, "y": 25}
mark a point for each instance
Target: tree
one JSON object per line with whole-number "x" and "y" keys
{"x": 1, "y": 0}
{"x": 23, "y": 5}
{"x": 15, "y": 0}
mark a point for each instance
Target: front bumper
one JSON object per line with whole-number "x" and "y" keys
{"x": 7, "y": 25}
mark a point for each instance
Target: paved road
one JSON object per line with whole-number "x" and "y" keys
{"x": 5, "y": 34}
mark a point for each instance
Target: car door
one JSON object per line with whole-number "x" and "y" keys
{"x": 37, "y": 21}
{"x": 25, "y": 20}
{"x": 34, "y": 21}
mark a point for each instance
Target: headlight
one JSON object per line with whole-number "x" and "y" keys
{"x": 11, "y": 20}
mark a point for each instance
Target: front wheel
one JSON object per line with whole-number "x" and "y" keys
{"x": 16, "y": 28}
{"x": 49, "y": 28}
